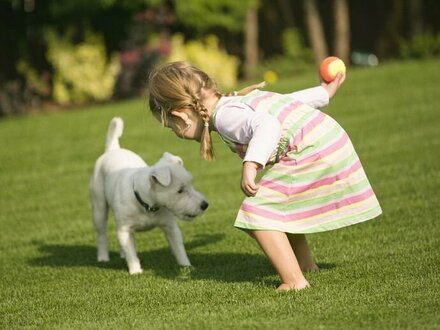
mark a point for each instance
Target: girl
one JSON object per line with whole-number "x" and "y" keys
{"x": 315, "y": 181}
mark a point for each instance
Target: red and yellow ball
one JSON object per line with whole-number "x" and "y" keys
{"x": 330, "y": 67}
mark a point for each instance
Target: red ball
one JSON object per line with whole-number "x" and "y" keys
{"x": 330, "y": 67}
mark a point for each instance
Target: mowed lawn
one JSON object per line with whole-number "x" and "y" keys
{"x": 382, "y": 274}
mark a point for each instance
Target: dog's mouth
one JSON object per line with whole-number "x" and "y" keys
{"x": 194, "y": 213}
{"x": 189, "y": 216}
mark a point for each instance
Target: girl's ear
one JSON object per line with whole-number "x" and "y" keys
{"x": 182, "y": 115}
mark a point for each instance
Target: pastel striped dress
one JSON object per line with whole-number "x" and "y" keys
{"x": 316, "y": 182}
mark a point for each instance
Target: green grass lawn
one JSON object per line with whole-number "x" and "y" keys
{"x": 382, "y": 274}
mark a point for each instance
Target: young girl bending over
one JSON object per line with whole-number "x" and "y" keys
{"x": 314, "y": 180}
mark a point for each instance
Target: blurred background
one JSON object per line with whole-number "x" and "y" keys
{"x": 70, "y": 53}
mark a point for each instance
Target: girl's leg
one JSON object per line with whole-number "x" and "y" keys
{"x": 302, "y": 252}
{"x": 277, "y": 247}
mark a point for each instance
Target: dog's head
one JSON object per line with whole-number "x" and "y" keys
{"x": 173, "y": 189}
{"x": 168, "y": 158}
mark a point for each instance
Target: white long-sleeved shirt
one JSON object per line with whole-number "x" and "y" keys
{"x": 261, "y": 132}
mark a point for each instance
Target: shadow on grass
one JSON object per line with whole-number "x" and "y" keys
{"x": 221, "y": 266}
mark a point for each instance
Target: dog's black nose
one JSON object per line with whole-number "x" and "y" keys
{"x": 204, "y": 205}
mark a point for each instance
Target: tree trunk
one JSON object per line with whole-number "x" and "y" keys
{"x": 415, "y": 17}
{"x": 286, "y": 13}
{"x": 342, "y": 30}
{"x": 251, "y": 41}
{"x": 316, "y": 32}
{"x": 388, "y": 41}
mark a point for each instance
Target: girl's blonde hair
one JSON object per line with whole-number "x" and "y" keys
{"x": 179, "y": 85}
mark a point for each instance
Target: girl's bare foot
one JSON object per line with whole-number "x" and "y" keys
{"x": 288, "y": 287}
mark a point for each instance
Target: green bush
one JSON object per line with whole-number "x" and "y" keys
{"x": 207, "y": 56}
{"x": 81, "y": 71}
{"x": 421, "y": 46}
{"x": 34, "y": 81}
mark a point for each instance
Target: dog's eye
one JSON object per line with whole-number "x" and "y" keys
{"x": 181, "y": 190}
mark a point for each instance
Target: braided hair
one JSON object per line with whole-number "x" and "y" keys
{"x": 179, "y": 85}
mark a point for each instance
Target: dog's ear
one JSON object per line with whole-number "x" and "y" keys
{"x": 161, "y": 175}
{"x": 172, "y": 159}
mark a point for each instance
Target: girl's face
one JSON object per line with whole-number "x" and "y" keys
{"x": 184, "y": 123}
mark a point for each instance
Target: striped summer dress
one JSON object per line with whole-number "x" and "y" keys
{"x": 316, "y": 183}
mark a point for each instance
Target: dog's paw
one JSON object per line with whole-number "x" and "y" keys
{"x": 135, "y": 271}
{"x": 185, "y": 272}
{"x": 103, "y": 258}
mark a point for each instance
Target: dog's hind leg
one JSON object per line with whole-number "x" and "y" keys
{"x": 100, "y": 221}
{"x": 175, "y": 240}
{"x": 99, "y": 215}
{"x": 126, "y": 242}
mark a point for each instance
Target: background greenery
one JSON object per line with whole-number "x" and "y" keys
{"x": 383, "y": 274}
{"x": 48, "y": 45}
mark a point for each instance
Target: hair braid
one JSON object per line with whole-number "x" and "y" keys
{"x": 206, "y": 149}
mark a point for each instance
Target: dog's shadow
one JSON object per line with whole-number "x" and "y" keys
{"x": 221, "y": 266}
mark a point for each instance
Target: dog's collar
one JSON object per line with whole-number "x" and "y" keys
{"x": 147, "y": 207}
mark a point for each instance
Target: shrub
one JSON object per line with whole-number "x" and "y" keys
{"x": 35, "y": 82}
{"x": 421, "y": 46}
{"x": 82, "y": 71}
{"x": 207, "y": 56}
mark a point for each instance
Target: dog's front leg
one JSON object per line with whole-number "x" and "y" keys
{"x": 175, "y": 240}
{"x": 126, "y": 242}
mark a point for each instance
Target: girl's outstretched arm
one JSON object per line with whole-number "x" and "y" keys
{"x": 319, "y": 97}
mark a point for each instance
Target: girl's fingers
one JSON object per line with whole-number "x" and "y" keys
{"x": 249, "y": 190}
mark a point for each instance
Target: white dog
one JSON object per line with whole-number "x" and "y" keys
{"x": 141, "y": 198}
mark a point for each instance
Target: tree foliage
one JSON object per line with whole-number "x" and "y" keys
{"x": 208, "y": 56}
{"x": 205, "y": 14}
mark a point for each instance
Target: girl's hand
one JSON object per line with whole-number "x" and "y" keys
{"x": 333, "y": 86}
{"x": 248, "y": 185}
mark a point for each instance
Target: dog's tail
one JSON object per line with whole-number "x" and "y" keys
{"x": 114, "y": 132}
